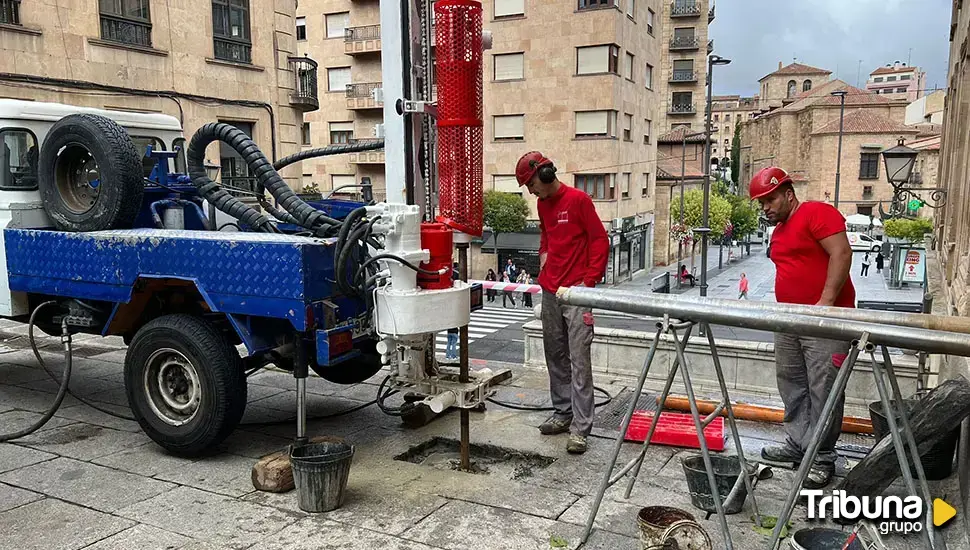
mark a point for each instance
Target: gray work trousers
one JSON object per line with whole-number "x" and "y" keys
{"x": 567, "y": 338}
{"x": 806, "y": 369}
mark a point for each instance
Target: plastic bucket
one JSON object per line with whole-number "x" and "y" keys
{"x": 320, "y": 472}
{"x": 937, "y": 460}
{"x": 727, "y": 470}
{"x": 819, "y": 538}
{"x": 659, "y": 525}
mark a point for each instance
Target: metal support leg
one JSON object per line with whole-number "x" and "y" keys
{"x": 825, "y": 420}
{"x": 605, "y": 484}
{"x": 301, "y": 369}
{"x": 465, "y": 429}
{"x": 897, "y": 438}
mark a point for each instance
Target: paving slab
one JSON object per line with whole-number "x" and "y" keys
{"x": 142, "y": 537}
{"x": 253, "y": 444}
{"x": 206, "y": 516}
{"x": 16, "y": 420}
{"x": 85, "y": 386}
{"x": 83, "y": 441}
{"x": 50, "y": 524}
{"x": 15, "y": 456}
{"x": 225, "y": 474}
{"x": 12, "y": 497}
{"x": 16, "y": 373}
{"x": 87, "y": 484}
{"x": 315, "y": 534}
{"x": 30, "y": 400}
{"x": 87, "y": 414}
{"x": 117, "y": 357}
{"x": 147, "y": 459}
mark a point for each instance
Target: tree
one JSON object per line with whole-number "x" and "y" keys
{"x": 744, "y": 216}
{"x": 504, "y": 213}
{"x": 911, "y": 230}
{"x": 736, "y": 156}
{"x": 719, "y": 215}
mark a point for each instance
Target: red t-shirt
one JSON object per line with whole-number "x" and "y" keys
{"x": 574, "y": 240}
{"x": 801, "y": 264}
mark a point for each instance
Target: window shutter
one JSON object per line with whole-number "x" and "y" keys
{"x": 509, "y": 66}
{"x": 504, "y": 8}
{"x": 509, "y": 126}
{"x": 506, "y": 184}
{"x": 593, "y": 59}
{"x": 629, "y": 65}
{"x": 337, "y": 24}
{"x": 343, "y": 179}
{"x": 591, "y": 123}
{"x": 338, "y": 78}
{"x": 341, "y": 126}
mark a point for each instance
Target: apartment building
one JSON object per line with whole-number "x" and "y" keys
{"x": 898, "y": 81}
{"x": 202, "y": 61}
{"x": 683, "y": 70}
{"x": 727, "y": 111}
{"x": 586, "y": 98}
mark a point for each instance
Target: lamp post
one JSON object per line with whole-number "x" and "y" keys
{"x": 212, "y": 172}
{"x": 712, "y": 60}
{"x": 838, "y": 160}
{"x": 683, "y": 177}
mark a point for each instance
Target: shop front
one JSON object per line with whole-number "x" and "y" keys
{"x": 630, "y": 243}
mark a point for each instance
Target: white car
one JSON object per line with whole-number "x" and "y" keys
{"x": 860, "y": 242}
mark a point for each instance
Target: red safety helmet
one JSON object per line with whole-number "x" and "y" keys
{"x": 528, "y": 165}
{"x": 766, "y": 181}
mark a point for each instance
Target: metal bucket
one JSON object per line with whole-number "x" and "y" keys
{"x": 727, "y": 474}
{"x": 819, "y": 538}
{"x": 661, "y": 525}
{"x": 320, "y": 472}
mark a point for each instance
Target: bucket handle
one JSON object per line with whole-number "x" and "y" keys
{"x": 684, "y": 524}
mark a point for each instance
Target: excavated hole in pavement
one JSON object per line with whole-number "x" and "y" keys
{"x": 443, "y": 454}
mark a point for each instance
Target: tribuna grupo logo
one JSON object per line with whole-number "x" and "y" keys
{"x": 894, "y": 514}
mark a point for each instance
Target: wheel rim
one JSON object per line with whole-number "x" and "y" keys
{"x": 77, "y": 177}
{"x": 172, "y": 384}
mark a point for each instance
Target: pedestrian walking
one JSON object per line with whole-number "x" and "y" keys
{"x": 573, "y": 250}
{"x": 506, "y": 293}
{"x": 880, "y": 261}
{"x": 812, "y": 259}
{"x": 743, "y": 287}
{"x": 527, "y": 296}
{"x": 866, "y": 262}
{"x": 490, "y": 293}
{"x": 510, "y": 270}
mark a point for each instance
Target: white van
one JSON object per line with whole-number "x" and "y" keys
{"x": 860, "y": 242}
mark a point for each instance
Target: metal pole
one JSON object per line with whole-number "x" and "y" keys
{"x": 463, "y": 362}
{"x": 707, "y": 174}
{"x": 683, "y": 176}
{"x": 838, "y": 159}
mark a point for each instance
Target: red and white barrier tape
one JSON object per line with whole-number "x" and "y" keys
{"x": 509, "y": 287}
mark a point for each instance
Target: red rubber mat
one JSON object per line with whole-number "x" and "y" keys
{"x": 677, "y": 430}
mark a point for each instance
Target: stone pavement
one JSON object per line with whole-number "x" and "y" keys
{"x": 91, "y": 481}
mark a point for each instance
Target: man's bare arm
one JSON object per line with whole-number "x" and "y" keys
{"x": 542, "y": 259}
{"x": 840, "y": 261}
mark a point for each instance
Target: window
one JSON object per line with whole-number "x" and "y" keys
{"x": 727, "y": 118}
{"x": 866, "y": 191}
{"x": 627, "y": 127}
{"x": 125, "y": 21}
{"x": 595, "y": 124}
{"x": 890, "y": 79}
{"x": 631, "y": 9}
{"x": 628, "y": 66}
{"x": 792, "y": 85}
{"x": 341, "y": 132}
{"x": 301, "y": 28}
{"x": 508, "y": 127}
{"x": 864, "y": 210}
{"x": 682, "y": 101}
{"x": 727, "y": 143}
{"x": 650, "y": 16}
{"x": 142, "y": 143}
{"x": 508, "y": 66}
{"x": 648, "y": 77}
{"x": 683, "y": 70}
{"x": 714, "y": 152}
{"x": 625, "y": 186}
{"x": 506, "y": 183}
{"x": 18, "y": 159}
{"x": 877, "y": 79}
{"x": 230, "y": 31}
{"x": 10, "y": 12}
{"x": 900, "y": 90}
{"x": 597, "y": 59}
{"x": 590, "y": 4}
{"x": 806, "y": 85}
{"x": 235, "y": 174}
{"x": 869, "y": 166}
{"x": 647, "y": 127}
{"x": 727, "y": 129}
{"x": 338, "y": 78}
{"x": 337, "y": 24}
{"x": 717, "y": 117}
{"x": 597, "y": 186}
{"x": 645, "y": 190}
{"x": 305, "y": 134}
{"x": 509, "y": 8}
{"x": 905, "y": 77}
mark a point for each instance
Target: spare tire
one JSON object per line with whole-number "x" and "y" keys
{"x": 90, "y": 174}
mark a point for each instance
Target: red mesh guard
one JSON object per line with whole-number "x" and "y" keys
{"x": 458, "y": 39}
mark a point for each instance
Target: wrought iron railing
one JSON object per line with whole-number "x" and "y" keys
{"x": 237, "y": 51}
{"x": 10, "y": 12}
{"x": 685, "y": 43}
{"x": 710, "y": 46}
{"x": 362, "y": 90}
{"x": 369, "y": 32}
{"x": 710, "y": 16}
{"x": 305, "y": 79}
{"x": 134, "y": 32}
{"x": 682, "y": 108}
{"x": 685, "y": 8}
{"x": 683, "y": 76}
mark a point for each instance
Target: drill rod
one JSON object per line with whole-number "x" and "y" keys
{"x": 463, "y": 361}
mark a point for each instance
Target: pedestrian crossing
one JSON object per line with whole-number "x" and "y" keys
{"x": 487, "y": 321}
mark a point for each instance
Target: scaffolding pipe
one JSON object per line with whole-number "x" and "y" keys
{"x": 898, "y": 330}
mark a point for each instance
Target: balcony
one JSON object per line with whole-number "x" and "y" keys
{"x": 366, "y": 157}
{"x": 304, "y": 96}
{"x": 682, "y": 77}
{"x": 685, "y": 43}
{"x": 681, "y": 109}
{"x": 362, "y": 40}
{"x": 133, "y": 32}
{"x": 710, "y": 47}
{"x": 361, "y": 96}
{"x": 685, "y": 8}
{"x": 710, "y": 16}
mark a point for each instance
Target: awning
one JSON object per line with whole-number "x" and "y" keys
{"x": 528, "y": 242}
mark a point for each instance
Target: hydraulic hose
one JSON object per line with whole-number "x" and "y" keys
{"x": 335, "y": 149}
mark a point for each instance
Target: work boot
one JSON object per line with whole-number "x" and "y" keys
{"x": 819, "y": 475}
{"x": 785, "y": 454}
{"x": 576, "y": 444}
{"x": 554, "y": 425}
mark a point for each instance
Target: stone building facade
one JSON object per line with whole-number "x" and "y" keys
{"x": 682, "y": 75}
{"x": 680, "y": 168}
{"x": 200, "y": 61}
{"x": 727, "y": 112}
{"x": 784, "y": 85}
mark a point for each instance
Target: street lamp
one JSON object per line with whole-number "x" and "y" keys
{"x": 838, "y": 160}
{"x": 899, "y": 163}
{"x": 712, "y": 60}
{"x": 212, "y": 172}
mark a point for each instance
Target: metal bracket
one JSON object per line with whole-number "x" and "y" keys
{"x": 467, "y": 395}
{"x": 406, "y": 106}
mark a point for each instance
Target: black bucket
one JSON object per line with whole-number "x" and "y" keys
{"x": 937, "y": 460}
{"x": 320, "y": 472}
{"x": 727, "y": 469}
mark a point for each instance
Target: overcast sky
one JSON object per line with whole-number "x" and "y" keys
{"x": 830, "y": 34}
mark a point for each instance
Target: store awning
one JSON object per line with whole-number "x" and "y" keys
{"x": 527, "y": 242}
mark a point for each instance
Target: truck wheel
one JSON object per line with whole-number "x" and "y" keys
{"x": 90, "y": 174}
{"x": 353, "y": 371}
{"x": 185, "y": 384}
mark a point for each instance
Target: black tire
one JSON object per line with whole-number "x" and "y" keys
{"x": 219, "y": 386}
{"x": 78, "y": 150}
{"x": 353, "y": 371}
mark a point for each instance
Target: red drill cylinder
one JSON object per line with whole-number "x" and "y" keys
{"x": 458, "y": 65}
{"x": 437, "y": 239}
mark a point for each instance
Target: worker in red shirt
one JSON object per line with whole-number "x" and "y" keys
{"x": 573, "y": 250}
{"x": 812, "y": 258}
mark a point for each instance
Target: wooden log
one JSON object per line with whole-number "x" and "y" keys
{"x": 273, "y": 473}
{"x": 932, "y": 419}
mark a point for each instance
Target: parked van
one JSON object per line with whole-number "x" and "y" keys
{"x": 860, "y": 242}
